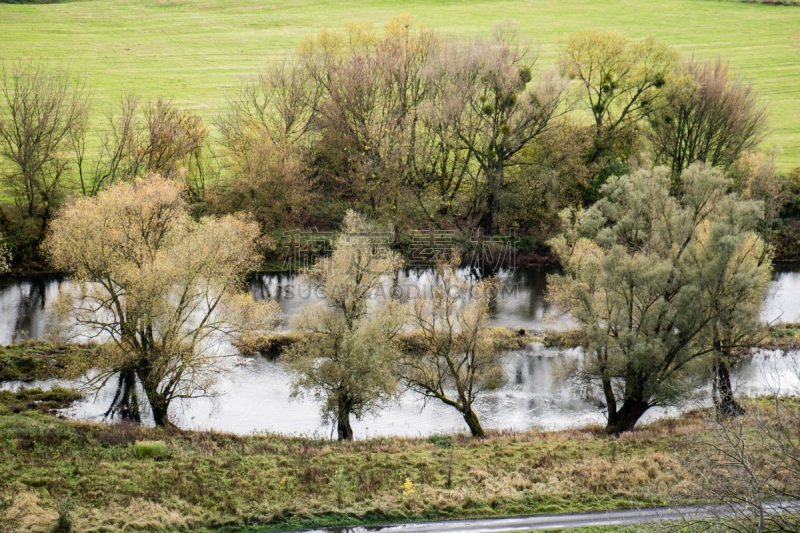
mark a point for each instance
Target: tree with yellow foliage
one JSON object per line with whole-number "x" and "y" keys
{"x": 618, "y": 81}
{"x": 157, "y": 287}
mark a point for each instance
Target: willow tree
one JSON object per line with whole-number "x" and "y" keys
{"x": 455, "y": 358}
{"x": 660, "y": 285}
{"x": 155, "y": 286}
{"x": 348, "y": 354}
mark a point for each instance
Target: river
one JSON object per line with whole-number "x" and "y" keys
{"x": 256, "y": 397}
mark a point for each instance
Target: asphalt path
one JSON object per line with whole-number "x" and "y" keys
{"x": 622, "y": 517}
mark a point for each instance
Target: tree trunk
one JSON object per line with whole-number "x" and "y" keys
{"x": 724, "y": 402}
{"x": 158, "y": 404}
{"x": 494, "y": 177}
{"x": 160, "y": 413}
{"x": 343, "y": 428}
{"x": 625, "y": 419}
{"x": 474, "y": 425}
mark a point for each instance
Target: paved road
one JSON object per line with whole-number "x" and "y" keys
{"x": 563, "y": 521}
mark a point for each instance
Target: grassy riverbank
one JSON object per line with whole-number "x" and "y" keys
{"x": 130, "y": 478}
{"x": 44, "y": 360}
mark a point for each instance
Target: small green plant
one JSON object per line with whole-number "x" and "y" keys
{"x": 442, "y": 441}
{"x": 64, "y": 521}
{"x": 342, "y": 486}
{"x": 150, "y": 449}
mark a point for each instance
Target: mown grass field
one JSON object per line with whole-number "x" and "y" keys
{"x": 196, "y": 51}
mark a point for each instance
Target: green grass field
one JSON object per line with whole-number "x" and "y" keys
{"x": 195, "y": 51}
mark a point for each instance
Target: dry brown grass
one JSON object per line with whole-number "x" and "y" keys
{"x": 25, "y": 513}
{"x": 208, "y": 480}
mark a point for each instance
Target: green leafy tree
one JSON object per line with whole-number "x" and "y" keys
{"x": 348, "y": 355}
{"x": 659, "y": 284}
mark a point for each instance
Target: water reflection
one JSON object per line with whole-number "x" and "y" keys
{"x": 521, "y": 301}
{"x": 782, "y": 303}
{"x": 24, "y": 307}
{"x": 257, "y": 397}
{"x": 25, "y": 303}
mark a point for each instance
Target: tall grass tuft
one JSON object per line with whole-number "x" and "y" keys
{"x": 150, "y": 449}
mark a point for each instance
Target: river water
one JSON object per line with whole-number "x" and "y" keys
{"x": 256, "y": 397}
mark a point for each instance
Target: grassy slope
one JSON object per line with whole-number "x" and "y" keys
{"x": 194, "y": 52}
{"x": 202, "y": 480}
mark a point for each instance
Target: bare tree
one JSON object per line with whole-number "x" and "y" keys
{"x": 121, "y": 154}
{"x": 751, "y": 464}
{"x": 266, "y": 133}
{"x": 156, "y": 138}
{"x": 500, "y": 109}
{"x": 40, "y": 109}
{"x": 174, "y": 143}
{"x": 280, "y": 104}
{"x": 442, "y": 166}
{"x": 371, "y": 113}
{"x": 711, "y": 115}
{"x": 457, "y": 358}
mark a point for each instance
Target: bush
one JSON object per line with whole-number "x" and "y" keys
{"x": 442, "y": 441}
{"x": 64, "y": 522}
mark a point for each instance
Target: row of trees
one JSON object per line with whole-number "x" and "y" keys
{"x": 406, "y": 126}
{"x": 161, "y": 291}
{"x": 358, "y": 349}
{"x": 663, "y": 269}
{"x": 665, "y": 286}
{"x": 45, "y": 135}
{"x": 665, "y": 281}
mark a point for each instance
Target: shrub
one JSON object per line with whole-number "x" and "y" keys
{"x": 64, "y": 522}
